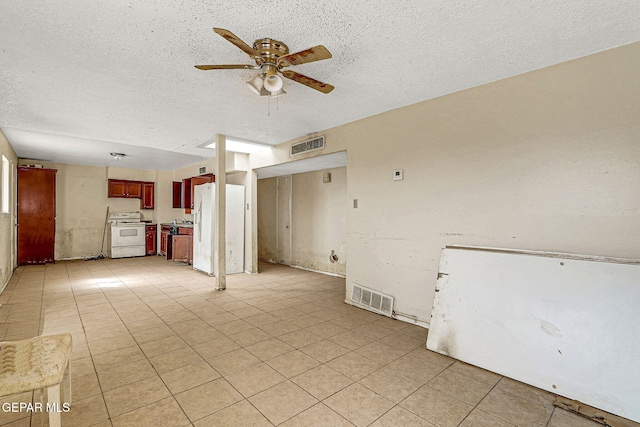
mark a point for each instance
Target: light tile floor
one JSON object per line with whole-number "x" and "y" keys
{"x": 154, "y": 345}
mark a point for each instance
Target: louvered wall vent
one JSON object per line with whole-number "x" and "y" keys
{"x": 372, "y": 300}
{"x": 306, "y": 146}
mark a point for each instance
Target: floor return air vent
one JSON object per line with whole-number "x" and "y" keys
{"x": 372, "y": 300}
{"x": 306, "y": 146}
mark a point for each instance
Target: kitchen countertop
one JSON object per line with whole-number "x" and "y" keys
{"x": 170, "y": 224}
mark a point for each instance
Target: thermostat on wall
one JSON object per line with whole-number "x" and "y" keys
{"x": 398, "y": 175}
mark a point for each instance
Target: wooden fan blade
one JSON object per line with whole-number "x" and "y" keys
{"x": 230, "y": 37}
{"x": 316, "y": 53}
{"x": 224, "y": 67}
{"x": 308, "y": 81}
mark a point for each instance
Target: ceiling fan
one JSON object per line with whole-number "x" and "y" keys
{"x": 271, "y": 57}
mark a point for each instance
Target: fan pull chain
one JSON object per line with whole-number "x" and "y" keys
{"x": 277, "y": 97}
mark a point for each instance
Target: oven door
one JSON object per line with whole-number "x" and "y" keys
{"x": 128, "y": 235}
{"x": 127, "y": 240}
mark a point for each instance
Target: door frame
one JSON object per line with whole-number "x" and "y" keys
{"x": 284, "y": 238}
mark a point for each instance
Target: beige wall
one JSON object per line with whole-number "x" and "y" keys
{"x": 548, "y": 160}
{"x": 267, "y": 219}
{"x": 82, "y": 202}
{"x": 318, "y": 220}
{"x": 7, "y": 220}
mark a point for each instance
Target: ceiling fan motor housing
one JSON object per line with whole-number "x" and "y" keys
{"x": 269, "y": 50}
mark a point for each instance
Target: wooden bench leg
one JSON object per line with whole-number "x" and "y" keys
{"x": 53, "y": 399}
{"x": 66, "y": 380}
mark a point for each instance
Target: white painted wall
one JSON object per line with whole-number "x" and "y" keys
{"x": 548, "y": 160}
{"x": 7, "y": 220}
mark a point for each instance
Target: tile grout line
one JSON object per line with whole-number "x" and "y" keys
{"x": 481, "y": 400}
{"x": 91, "y": 355}
{"x": 113, "y": 303}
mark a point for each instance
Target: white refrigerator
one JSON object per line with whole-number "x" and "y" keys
{"x": 204, "y": 250}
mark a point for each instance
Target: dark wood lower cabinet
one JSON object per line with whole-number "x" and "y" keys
{"x": 165, "y": 238}
{"x": 182, "y": 248}
{"x": 151, "y": 239}
{"x": 177, "y": 247}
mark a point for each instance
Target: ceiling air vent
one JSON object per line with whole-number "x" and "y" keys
{"x": 372, "y": 300}
{"x": 306, "y": 146}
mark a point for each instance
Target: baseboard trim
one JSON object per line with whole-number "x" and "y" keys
{"x": 342, "y": 276}
{"x": 270, "y": 261}
{"x": 6, "y": 283}
{"x": 397, "y": 316}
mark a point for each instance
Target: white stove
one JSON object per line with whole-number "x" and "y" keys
{"x": 126, "y": 235}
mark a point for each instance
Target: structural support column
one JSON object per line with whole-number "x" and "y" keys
{"x": 253, "y": 222}
{"x": 220, "y": 207}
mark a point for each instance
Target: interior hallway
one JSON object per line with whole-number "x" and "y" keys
{"x": 154, "y": 345}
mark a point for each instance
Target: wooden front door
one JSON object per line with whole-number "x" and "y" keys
{"x": 36, "y": 215}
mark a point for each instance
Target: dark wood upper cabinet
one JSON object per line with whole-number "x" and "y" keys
{"x": 134, "y": 190}
{"x": 147, "y": 199}
{"x": 145, "y": 191}
{"x": 197, "y": 180}
{"x": 186, "y": 195}
{"x": 124, "y": 188}
{"x": 36, "y": 215}
{"x": 186, "y": 190}
{"x": 117, "y": 188}
{"x": 177, "y": 195}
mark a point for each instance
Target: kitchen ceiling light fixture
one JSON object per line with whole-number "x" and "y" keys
{"x": 117, "y": 156}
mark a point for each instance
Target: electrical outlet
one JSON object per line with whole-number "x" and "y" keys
{"x": 355, "y": 203}
{"x": 398, "y": 175}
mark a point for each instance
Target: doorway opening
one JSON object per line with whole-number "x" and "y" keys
{"x": 302, "y": 214}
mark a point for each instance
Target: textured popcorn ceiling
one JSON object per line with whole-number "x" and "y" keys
{"x": 79, "y": 79}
